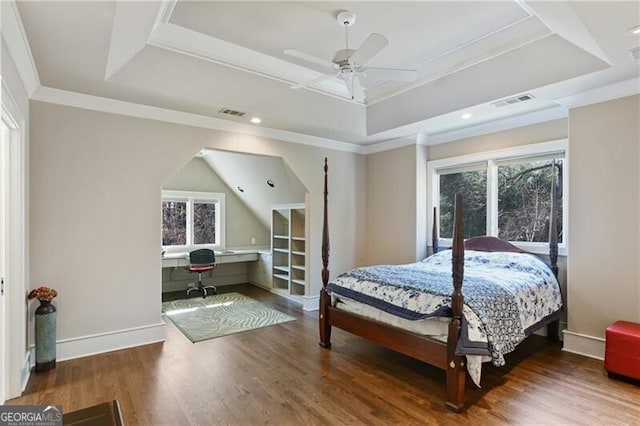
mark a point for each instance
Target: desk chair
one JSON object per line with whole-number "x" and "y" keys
{"x": 200, "y": 261}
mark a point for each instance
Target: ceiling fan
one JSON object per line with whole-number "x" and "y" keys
{"x": 348, "y": 64}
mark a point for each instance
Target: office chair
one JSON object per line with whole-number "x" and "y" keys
{"x": 200, "y": 261}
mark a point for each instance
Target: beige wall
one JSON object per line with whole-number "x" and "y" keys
{"x": 241, "y": 223}
{"x": 391, "y": 206}
{"x": 604, "y": 234}
{"x": 95, "y": 193}
{"x": 397, "y": 184}
{"x": 541, "y": 132}
{"x": 85, "y": 166}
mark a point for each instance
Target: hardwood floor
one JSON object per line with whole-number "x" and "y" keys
{"x": 279, "y": 375}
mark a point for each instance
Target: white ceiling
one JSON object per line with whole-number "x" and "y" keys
{"x": 250, "y": 173}
{"x": 199, "y": 57}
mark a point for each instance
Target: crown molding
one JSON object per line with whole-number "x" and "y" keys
{"x": 192, "y": 43}
{"x": 391, "y": 144}
{"x": 14, "y": 36}
{"x": 165, "y": 11}
{"x": 96, "y": 103}
{"x": 617, "y": 90}
{"x": 17, "y": 43}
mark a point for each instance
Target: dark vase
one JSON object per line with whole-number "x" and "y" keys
{"x": 45, "y": 336}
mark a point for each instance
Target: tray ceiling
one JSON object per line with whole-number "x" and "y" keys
{"x": 201, "y": 57}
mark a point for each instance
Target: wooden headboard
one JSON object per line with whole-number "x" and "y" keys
{"x": 486, "y": 243}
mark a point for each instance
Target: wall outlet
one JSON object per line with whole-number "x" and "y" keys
{"x": 253, "y": 240}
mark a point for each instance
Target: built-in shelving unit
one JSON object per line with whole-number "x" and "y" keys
{"x": 289, "y": 250}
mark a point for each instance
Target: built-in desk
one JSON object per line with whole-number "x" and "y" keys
{"x": 174, "y": 260}
{"x": 232, "y": 267}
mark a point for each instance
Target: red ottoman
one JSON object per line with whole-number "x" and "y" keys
{"x": 622, "y": 354}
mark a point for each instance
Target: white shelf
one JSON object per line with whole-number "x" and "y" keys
{"x": 289, "y": 246}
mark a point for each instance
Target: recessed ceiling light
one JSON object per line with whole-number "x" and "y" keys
{"x": 634, "y": 30}
{"x": 466, "y": 115}
{"x": 256, "y": 120}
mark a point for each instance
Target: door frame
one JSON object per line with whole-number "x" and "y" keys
{"x": 16, "y": 272}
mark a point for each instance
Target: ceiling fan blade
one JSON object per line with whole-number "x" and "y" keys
{"x": 312, "y": 82}
{"x": 330, "y": 66}
{"x": 356, "y": 90}
{"x": 391, "y": 73}
{"x": 370, "y": 48}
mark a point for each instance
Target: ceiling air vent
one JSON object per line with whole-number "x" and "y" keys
{"x": 635, "y": 52}
{"x": 230, "y": 111}
{"x": 514, "y": 100}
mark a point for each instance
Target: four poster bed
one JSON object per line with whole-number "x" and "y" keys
{"x": 413, "y": 309}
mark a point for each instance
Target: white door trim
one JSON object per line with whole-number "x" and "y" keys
{"x": 16, "y": 260}
{"x": 5, "y": 136}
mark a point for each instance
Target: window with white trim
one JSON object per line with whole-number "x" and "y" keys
{"x": 505, "y": 193}
{"x": 192, "y": 219}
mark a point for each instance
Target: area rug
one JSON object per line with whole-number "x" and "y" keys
{"x": 220, "y": 315}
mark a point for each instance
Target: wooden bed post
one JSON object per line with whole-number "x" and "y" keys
{"x": 455, "y": 364}
{"x": 325, "y": 299}
{"x": 434, "y": 232}
{"x": 553, "y": 329}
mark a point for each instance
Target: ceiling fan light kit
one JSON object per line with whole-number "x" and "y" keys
{"x": 348, "y": 65}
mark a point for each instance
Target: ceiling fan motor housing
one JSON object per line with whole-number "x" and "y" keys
{"x": 342, "y": 57}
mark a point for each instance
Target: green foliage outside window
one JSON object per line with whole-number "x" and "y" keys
{"x": 472, "y": 185}
{"x": 524, "y": 200}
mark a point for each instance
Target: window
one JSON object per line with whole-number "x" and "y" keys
{"x": 192, "y": 219}
{"x": 524, "y": 199}
{"x": 472, "y": 185}
{"x": 174, "y": 223}
{"x": 505, "y": 193}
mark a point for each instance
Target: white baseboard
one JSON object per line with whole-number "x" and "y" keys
{"x": 25, "y": 374}
{"x": 310, "y": 303}
{"x": 582, "y": 344}
{"x": 79, "y": 347}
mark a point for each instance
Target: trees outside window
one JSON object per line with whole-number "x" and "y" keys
{"x": 204, "y": 223}
{"x": 524, "y": 200}
{"x": 472, "y": 185}
{"x": 192, "y": 219}
{"x": 174, "y": 223}
{"x": 504, "y": 194}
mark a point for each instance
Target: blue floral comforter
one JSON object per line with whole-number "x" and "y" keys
{"x": 506, "y": 296}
